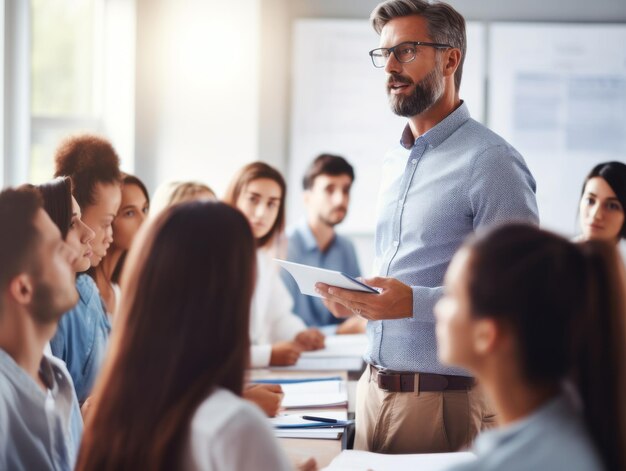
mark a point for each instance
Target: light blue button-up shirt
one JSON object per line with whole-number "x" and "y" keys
{"x": 436, "y": 190}
{"x": 552, "y": 438}
{"x": 82, "y": 337}
{"x": 38, "y": 430}
{"x": 340, "y": 256}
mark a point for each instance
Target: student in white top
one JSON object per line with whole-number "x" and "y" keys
{"x": 169, "y": 394}
{"x": 278, "y": 336}
{"x": 602, "y": 203}
{"x": 540, "y": 322}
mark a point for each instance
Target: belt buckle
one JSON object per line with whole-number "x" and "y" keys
{"x": 388, "y": 382}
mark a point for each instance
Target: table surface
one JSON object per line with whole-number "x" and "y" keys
{"x": 301, "y": 449}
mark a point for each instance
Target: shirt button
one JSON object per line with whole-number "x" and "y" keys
{"x": 396, "y": 243}
{"x": 414, "y": 161}
{"x": 379, "y": 329}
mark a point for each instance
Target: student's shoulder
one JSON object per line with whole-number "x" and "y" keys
{"x": 223, "y": 410}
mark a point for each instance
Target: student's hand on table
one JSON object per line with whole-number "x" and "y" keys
{"x": 310, "y": 339}
{"x": 285, "y": 353}
{"x": 85, "y": 409}
{"x": 267, "y": 396}
{"x": 352, "y": 325}
{"x": 308, "y": 465}
{"x": 395, "y": 301}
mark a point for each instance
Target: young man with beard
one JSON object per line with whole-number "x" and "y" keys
{"x": 313, "y": 241}
{"x": 449, "y": 177}
{"x": 40, "y": 421}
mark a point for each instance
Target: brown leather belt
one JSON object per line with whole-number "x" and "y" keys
{"x": 426, "y": 382}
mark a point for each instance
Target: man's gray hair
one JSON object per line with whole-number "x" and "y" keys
{"x": 445, "y": 24}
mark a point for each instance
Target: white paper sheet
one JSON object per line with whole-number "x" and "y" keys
{"x": 352, "y": 460}
{"x": 315, "y": 394}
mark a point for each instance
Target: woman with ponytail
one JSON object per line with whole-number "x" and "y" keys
{"x": 540, "y": 322}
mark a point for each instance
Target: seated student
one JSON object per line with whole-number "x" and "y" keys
{"x": 40, "y": 423}
{"x": 267, "y": 396}
{"x": 540, "y": 322}
{"x": 174, "y": 192}
{"x": 81, "y": 339}
{"x": 130, "y": 216}
{"x": 64, "y": 211}
{"x": 278, "y": 336}
{"x": 603, "y": 202}
{"x": 169, "y": 394}
{"x": 313, "y": 241}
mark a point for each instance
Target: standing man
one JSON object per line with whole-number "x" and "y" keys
{"x": 40, "y": 422}
{"x": 313, "y": 241}
{"x": 449, "y": 177}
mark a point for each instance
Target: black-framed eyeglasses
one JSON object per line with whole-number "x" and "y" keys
{"x": 404, "y": 52}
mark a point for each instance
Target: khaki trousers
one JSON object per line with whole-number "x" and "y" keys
{"x": 417, "y": 422}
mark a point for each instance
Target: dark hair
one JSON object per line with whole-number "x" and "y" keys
{"x": 565, "y": 303}
{"x": 326, "y": 164}
{"x": 87, "y": 160}
{"x": 182, "y": 331}
{"x": 614, "y": 173}
{"x": 128, "y": 179}
{"x": 257, "y": 171}
{"x": 57, "y": 201}
{"x": 18, "y": 236}
{"x": 445, "y": 24}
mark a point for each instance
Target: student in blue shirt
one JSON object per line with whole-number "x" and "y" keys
{"x": 313, "y": 241}
{"x": 540, "y": 322}
{"x": 40, "y": 423}
{"x": 81, "y": 339}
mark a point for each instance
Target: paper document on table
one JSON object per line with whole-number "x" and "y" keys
{"x": 318, "y": 433}
{"x": 315, "y": 394}
{"x": 353, "y": 460}
{"x": 324, "y": 364}
{"x": 289, "y": 421}
{"x": 340, "y": 346}
{"x": 306, "y": 276}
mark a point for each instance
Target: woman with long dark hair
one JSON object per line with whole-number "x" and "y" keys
{"x": 603, "y": 203}
{"x": 168, "y": 397}
{"x": 278, "y": 335}
{"x": 83, "y": 347}
{"x": 540, "y": 322}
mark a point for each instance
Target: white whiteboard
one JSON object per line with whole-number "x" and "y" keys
{"x": 339, "y": 106}
{"x": 558, "y": 94}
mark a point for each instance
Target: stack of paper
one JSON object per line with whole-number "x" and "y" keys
{"x": 294, "y": 426}
{"x": 311, "y": 394}
{"x": 352, "y": 460}
{"x": 342, "y": 352}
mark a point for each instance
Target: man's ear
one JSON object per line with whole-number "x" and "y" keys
{"x": 452, "y": 60}
{"x": 487, "y": 334}
{"x": 21, "y": 289}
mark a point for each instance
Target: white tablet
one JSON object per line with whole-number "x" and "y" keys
{"x": 306, "y": 276}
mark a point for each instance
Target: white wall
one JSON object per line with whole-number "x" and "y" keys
{"x": 197, "y": 89}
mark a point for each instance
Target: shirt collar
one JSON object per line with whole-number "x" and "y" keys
{"x": 310, "y": 243}
{"x": 441, "y": 131}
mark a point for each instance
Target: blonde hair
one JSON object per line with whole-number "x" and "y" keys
{"x": 175, "y": 192}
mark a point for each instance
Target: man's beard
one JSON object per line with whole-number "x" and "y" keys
{"x": 43, "y": 308}
{"x": 425, "y": 93}
{"x": 332, "y": 222}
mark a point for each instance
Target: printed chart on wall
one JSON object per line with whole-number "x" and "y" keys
{"x": 558, "y": 94}
{"x": 339, "y": 106}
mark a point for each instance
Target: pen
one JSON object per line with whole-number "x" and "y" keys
{"x": 320, "y": 419}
